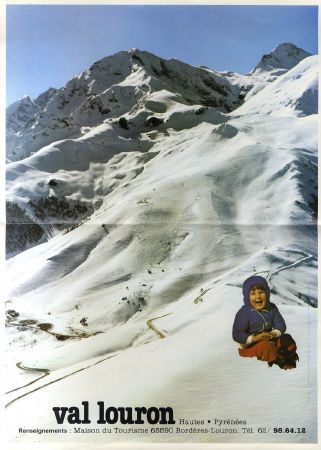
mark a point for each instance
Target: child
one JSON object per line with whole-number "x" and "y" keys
{"x": 259, "y": 323}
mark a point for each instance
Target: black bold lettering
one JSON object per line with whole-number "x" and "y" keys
{"x": 155, "y": 412}
{"x": 126, "y": 418}
{"x": 110, "y": 411}
{"x": 164, "y": 413}
{"x": 60, "y": 413}
{"x": 101, "y": 418}
{"x": 73, "y": 416}
{"x": 140, "y": 411}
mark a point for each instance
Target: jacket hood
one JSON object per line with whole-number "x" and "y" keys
{"x": 249, "y": 282}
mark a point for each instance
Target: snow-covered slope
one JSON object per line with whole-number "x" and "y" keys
{"x": 296, "y": 89}
{"x": 154, "y": 216}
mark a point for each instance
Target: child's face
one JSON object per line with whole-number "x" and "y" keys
{"x": 258, "y": 297}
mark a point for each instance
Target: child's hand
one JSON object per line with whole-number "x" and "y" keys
{"x": 274, "y": 335}
{"x": 265, "y": 336}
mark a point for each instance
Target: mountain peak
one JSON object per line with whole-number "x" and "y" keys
{"x": 43, "y": 98}
{"x": 21, "y": 110}
{"x": 284, "y": 56}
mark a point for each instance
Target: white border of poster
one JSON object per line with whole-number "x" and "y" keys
{"x": 149, "y": 446}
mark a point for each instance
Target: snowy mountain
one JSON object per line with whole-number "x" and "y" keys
{"x": 111, "y": 87}
{"x": 270, "y": 67}
{"x": 284, "y": 56}
{"x": 153, "y": 189}
{"x": 19, "y": 114}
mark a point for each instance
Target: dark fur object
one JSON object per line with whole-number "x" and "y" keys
{"x": 287, "y": 355}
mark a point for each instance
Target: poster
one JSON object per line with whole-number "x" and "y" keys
{"x": 140, "y": 195}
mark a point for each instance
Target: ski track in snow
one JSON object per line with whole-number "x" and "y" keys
{"x": 45, "y": 372}
{"x": 153, "y": 327}
{"x": 51, "y": 382}
{"x": 288, "y": 266}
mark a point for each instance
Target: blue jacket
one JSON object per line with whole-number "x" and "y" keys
{"x": 249, "y": 321}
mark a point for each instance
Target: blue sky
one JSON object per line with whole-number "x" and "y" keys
{"x": 48, "y": 45}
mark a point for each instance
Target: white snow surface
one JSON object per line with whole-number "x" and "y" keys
{"x": 184, "y": 211}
